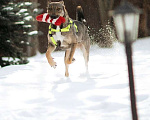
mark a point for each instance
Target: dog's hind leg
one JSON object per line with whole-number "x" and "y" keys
{"x": 85, "y": 55}
{"x": 85, "y": 50}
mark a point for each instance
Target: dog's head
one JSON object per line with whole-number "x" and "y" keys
{"x": 56, "y": 9}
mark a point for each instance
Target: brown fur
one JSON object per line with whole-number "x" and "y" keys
{"x": 72, "y": 40}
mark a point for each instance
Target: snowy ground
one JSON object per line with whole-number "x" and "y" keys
{"x": 38, "y": 92}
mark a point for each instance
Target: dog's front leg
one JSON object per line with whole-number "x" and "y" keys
{"x": 67, "y": 53}
{"x": 69, "y": 58}
{"x": 50, "y": 60}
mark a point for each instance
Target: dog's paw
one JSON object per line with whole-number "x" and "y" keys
{"x": 71, "y": 61}
{"x": 66, "y": 74}
{"x": 53, "y": 64}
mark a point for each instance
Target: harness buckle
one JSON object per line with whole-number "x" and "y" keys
{"x": 50, "y": 35}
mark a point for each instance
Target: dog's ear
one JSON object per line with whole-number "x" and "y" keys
{"x": 48, "y": 2}
{"x": 62, "y": 2}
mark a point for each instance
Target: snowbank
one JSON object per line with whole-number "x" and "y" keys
{"x": 38, "y": 92}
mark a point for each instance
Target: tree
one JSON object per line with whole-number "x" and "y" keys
{"x": 143, "y": 25}
{"x": 104, "y": 7}
{"x": 105, "y": 36}
{"x": 15, "y": 28}
{"x": 8, "y": 33}
{"x": 107, "y": 31}
{"x": 29, "y": 11}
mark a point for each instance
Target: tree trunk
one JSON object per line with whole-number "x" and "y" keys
{"x": 107, "y": 34}
{"x": 104, "y": 7}
{"x": 144, "y": 5}
{"x": 43, "y": 27}
{"x": 143, "y": 20}
{"x": 1, "y": 61}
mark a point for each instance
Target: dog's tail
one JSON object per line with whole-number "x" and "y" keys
{"x": 80, "y": 15}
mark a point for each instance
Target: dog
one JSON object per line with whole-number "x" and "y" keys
{"x": 76, "y": 37}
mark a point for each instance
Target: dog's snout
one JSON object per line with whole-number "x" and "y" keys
{"x": 54, "y": 16}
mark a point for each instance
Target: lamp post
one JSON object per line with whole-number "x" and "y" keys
{"x": 126, "y": 18}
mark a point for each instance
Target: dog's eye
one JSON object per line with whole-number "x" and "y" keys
{"x": 58, "y": 9}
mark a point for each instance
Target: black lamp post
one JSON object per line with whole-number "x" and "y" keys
{"x": 126, "y": 18}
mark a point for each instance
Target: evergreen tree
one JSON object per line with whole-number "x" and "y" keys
{"x": 16, "y": 25}
{"x": 28, "y": 11}
{"x": 8, "y": 30}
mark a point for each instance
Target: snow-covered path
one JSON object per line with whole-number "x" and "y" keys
{"x": 38, "y": 92}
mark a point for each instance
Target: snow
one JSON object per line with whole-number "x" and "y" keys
{"x": 23, "y": 10}
{"x": 35, "y": 10}
{"x": 33, "y": 33}
{"x": 28, "y": 18}
{"x": 27, "y": 26}
{"x": 8, "y": 8}
{"x": 21, "y": 22}
{"x": 38, "y": 92}
{"x": 26, "y": 3}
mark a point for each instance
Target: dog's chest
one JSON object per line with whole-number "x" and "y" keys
{"x": 58, "y": 36}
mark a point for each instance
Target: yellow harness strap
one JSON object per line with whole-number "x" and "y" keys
{"x": 52, "y": 38}
{"x": 66, "y": 29}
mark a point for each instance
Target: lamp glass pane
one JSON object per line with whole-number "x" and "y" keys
{"x": 129, "y": 26}
{"x": 136, "y": 26}
{"x": 129, "y": 22}
{"x": 118, "y": 19}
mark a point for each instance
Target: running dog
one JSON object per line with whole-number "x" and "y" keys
{"x": 72, "y": 34}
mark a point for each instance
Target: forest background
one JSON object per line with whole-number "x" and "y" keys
{"x": 33, "y": 35}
